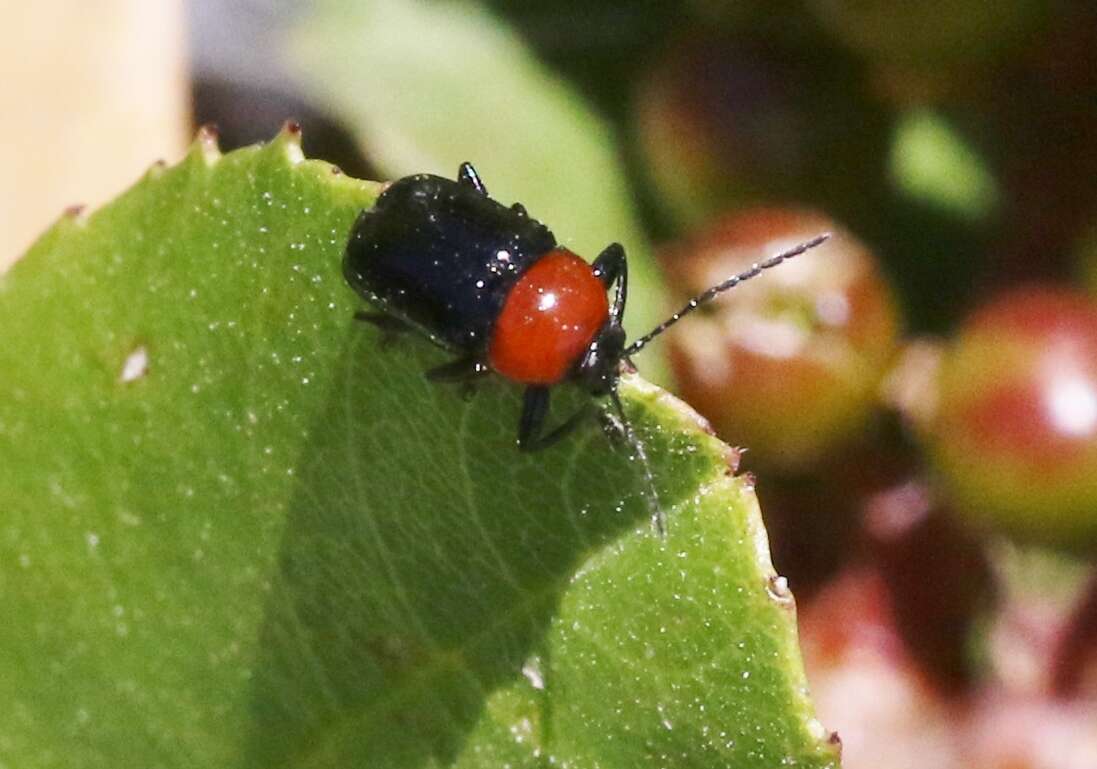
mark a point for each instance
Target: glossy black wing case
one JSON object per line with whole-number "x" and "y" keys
{"x": 442, "y": 256}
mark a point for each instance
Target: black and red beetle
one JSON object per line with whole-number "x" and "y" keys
{"x": 491, "y": 285}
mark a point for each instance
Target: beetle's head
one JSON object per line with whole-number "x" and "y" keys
{"x": 597, "y": 370}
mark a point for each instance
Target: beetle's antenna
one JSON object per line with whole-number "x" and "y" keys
{"x": 658, "y": 519}
{"x": 720, "y": 288}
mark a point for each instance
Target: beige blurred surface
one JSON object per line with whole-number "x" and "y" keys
{"x": 93, "y": 93}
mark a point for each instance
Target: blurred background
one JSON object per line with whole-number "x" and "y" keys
{"x": 918, "y": 397}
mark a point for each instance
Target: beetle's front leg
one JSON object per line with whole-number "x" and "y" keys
{"x": 464, "y": 371}
{"x": 459, "y": 370}
{"x": 611, "y": 267}
{"x": 611, "y": 263}
{"x": 466, "y": 174}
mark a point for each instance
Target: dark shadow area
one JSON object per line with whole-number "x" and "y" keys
{"x": 422, "y": 562}
{"x": 246, "y": 113}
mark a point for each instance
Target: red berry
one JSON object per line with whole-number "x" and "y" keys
{"x": 787, "y": 364}
{"x": 1015, "y": 431}
{"x": 866, "y": 686}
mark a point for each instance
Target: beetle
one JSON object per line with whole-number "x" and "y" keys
{"x": 490, "y": 284}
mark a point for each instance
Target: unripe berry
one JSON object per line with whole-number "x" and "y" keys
{"x": 787, "y": 364}
{"x": 1014, "y": 435}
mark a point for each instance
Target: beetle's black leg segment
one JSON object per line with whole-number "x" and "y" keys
{"x": 658, "y": 517}
{"x": 460, "y": 370}
{"x": 566, "y": 428}
{"x": 610, "y": 263}
{"x": 519, "y": 209}
{"x": 466, "y": 174}
{"x": 535, "y": 408}
{"x": 611, "y": 267}
{"x": 390, "y": 326}
{"x": 383, "y": 321}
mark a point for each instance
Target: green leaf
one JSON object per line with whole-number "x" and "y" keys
{"x": 930, "y": 161}
{"x": 239, "y": 531}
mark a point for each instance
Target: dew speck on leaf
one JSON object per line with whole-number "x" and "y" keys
{"x": 532, "y": 672}
{"x": 135, "y": 366}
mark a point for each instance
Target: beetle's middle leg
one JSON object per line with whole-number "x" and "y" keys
{"x": 390, "y": 326}
{"x": 535, "y": 409}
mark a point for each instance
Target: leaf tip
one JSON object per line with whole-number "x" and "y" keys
{"x": 749, "y": 481}
{"x": 829, "y": 741}
{"x": 205, "y": 146}
{"x": 833, "y": 743}
{"x": 733, "y": 455}
{"x": 75, "y": 211}
{"x": 778, "y": 590}
{"x": 685, "y": 417}
{"x": 156, "y": 169}
{"x": 289, "y": 141}
{"x": 292, "y": 130}
{"x": 75, "y": 215}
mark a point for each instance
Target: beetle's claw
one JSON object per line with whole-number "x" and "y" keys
{"x": 612, "y": 427}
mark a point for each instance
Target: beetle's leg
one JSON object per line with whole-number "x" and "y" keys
{"x": 564, "y": 429}
{"x": 462, "y": 370}
{"x": 519, "y": 209}
{"x": 610, "y": 264}
{"x": 390, "y": 326}
{"x": 612, "y": 426}
{"x": 535, "y": 408}
{"x": 382, "y": 321}
{"x": 611, "y": 267}
{"x": 466, "y": 174}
